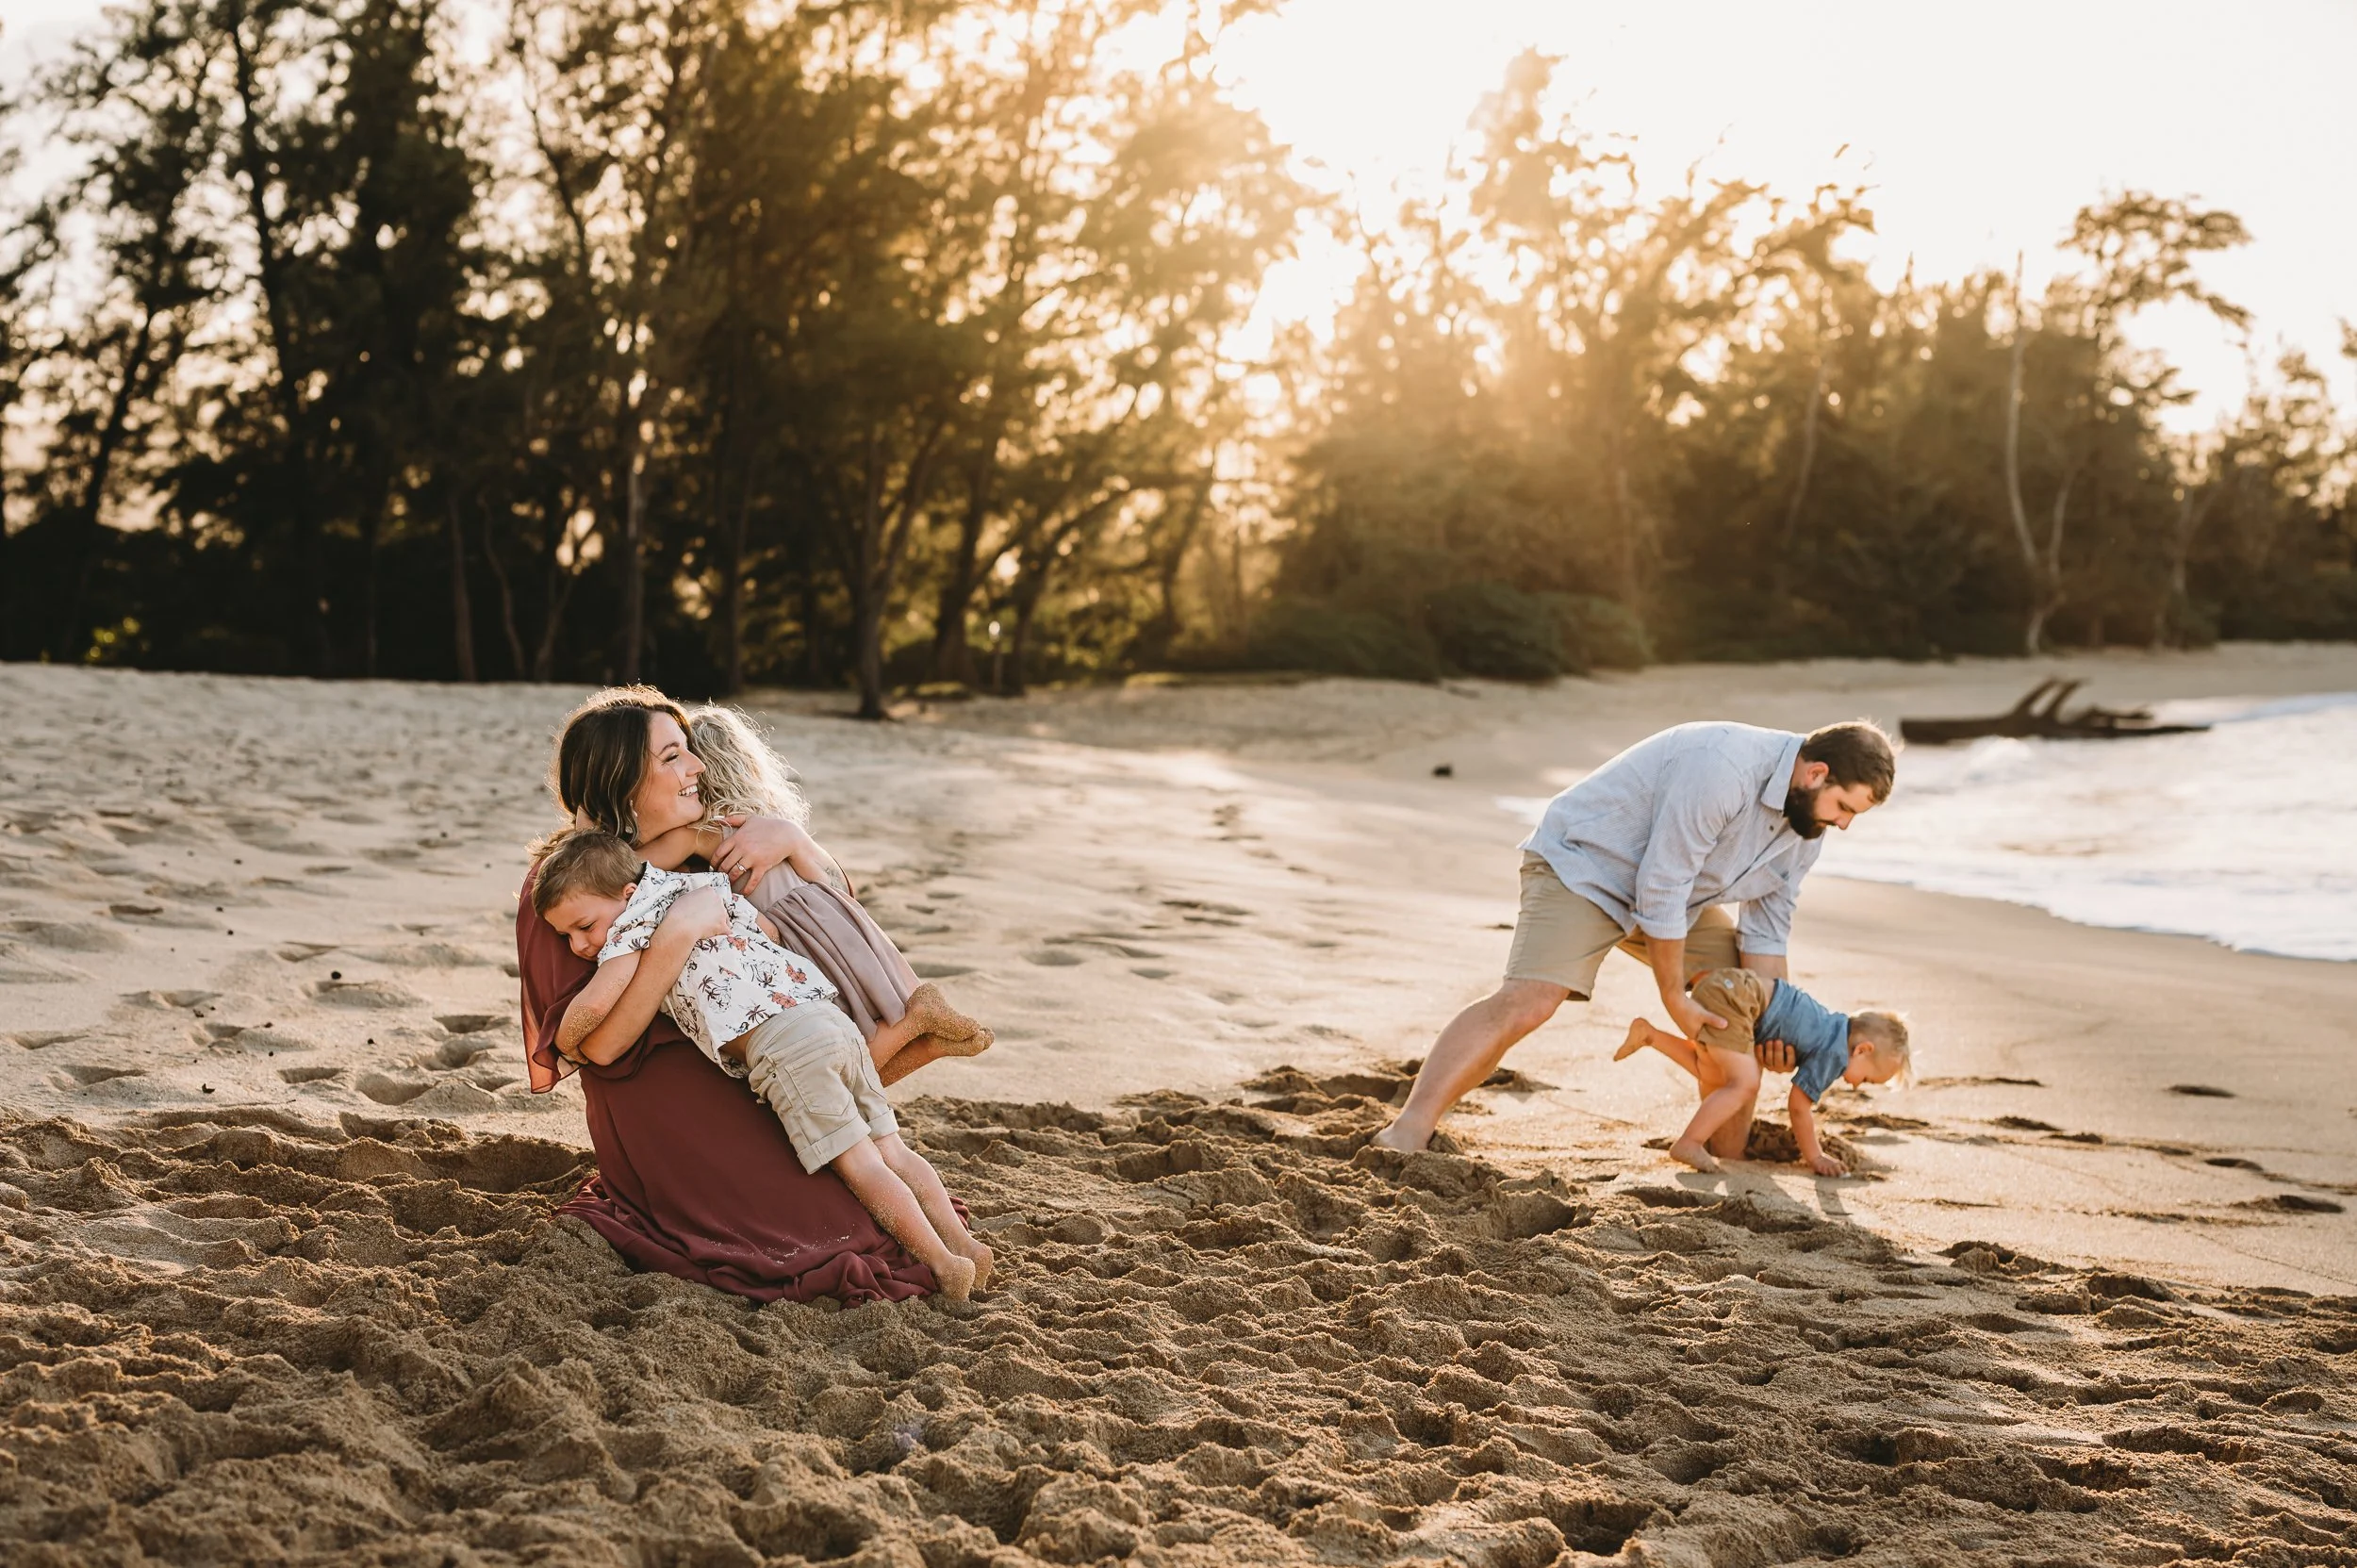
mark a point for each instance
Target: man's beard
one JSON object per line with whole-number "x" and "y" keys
{"x": 1800, "y": 809}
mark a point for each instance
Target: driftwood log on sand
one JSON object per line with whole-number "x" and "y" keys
{"x": 2039, "y": 715}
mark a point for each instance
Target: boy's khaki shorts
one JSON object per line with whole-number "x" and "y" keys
{"x": 1561, "y": 938}
{"x": 1738, "y": 996}
{"x": 811, "y": 1066}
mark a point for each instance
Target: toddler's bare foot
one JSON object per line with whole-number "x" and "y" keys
{"x": 956, "y": 1277}
{"x": 936, "y": 1017}
{"x": 1694, "y": 1154}
{"x": 1637, "y": 1039}
{"x": 975, "y": 1252}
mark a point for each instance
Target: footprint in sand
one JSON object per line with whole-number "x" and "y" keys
{"x": 1053, "y": 958}
{"x": 368, "y": 994}
{"x": 83, "y": 1077}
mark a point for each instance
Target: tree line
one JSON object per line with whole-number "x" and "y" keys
{"x": 891, "y": 343}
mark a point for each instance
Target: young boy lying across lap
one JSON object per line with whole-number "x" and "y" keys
{"x": 762, "y": 1013}
{"x": 1857, "y": 1047}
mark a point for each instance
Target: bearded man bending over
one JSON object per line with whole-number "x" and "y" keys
{"x": 1639, "y": 856}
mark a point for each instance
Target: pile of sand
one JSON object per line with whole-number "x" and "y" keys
{"x": 1222, "y": 1333}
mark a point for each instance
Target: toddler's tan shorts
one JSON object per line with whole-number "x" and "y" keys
{"x": 1739, "y": 997}
{"x": 811, "y": 1066}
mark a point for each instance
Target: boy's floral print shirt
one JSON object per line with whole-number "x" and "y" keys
{"x": 731, "y": 983}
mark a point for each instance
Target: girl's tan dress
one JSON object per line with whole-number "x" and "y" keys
{"x": 833, "y": 932}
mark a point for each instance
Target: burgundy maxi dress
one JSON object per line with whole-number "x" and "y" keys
{"x": 695, "y": 1176}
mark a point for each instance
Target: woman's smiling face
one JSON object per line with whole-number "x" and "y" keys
{"x": 668, "y": 795}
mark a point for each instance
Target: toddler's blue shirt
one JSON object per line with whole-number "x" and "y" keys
{"x": 1820, "y": 1037}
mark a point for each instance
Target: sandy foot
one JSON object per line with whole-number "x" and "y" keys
{"x": 1639, "y": 1035}
{"x": 958, "y": 1276}
{"x": 1695, "y": 1155}
{"x": 980, "y": 1256}
{"x": 956, "y": 1033}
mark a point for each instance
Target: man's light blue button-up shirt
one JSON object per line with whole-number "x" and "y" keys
{"x": 1687, "y": 818}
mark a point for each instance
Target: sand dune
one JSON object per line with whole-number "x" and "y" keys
{"x": 281, "y": 1283}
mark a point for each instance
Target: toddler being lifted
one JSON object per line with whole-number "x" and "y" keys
{"x": 1854, "y": 1048}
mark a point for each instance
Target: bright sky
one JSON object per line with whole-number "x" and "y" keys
{"x": 1981, "y": 127}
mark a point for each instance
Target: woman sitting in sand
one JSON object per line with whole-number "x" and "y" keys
{"x": 697, "y": 1177}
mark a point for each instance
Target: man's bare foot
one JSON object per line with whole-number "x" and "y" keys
{"x": 979, "y": 1255}
{"x": 1393, "y": 1138}
{"x": 1639, "y": 1035}
{"x": 956, "y": 1277}
{"x": 1695, "y": 1154}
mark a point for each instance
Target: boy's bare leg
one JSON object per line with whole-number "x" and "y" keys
{"x": 1677, "y": 1047}
{"x": 1739, "y": 1088}
{"x": 931, "y": 1024}
{"x": 915, "y": 1169}
{"x": 884, "y": 1194}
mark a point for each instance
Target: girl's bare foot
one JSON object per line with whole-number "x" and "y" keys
{"x": 979, "y": 1255}
{"x": 956, "y": 1277}
{"x": 971, "y": 1045}
{"x": 1695, "y": 1154}
{"x": 935, "y": 1016}
{"x": 1638, "y": 1038}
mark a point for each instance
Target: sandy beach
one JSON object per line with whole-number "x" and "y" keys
{"x": 281, "y": 1282}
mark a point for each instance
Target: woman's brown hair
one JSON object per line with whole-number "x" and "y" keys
{"x": 602, "y": 755}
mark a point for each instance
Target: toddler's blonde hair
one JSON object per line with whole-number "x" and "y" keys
{"x": 741, "y": 772}
{"x": 1888, "y": 1034}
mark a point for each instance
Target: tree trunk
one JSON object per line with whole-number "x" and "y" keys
{"x": 1632, "y": 530}
{"x": 559, "y": 590}
{"x": 1154, "y": 638}
{"x": 311, "y": 612}
{"x": 732, "y": 592}
{"x": 953, "y": 655}
{"x": 461, "y": 608}
{"x": 1800, "y": 486}
{"x": 634, "y": 569}
{"x": 2045, "y": 591}
{"x": 87, "y": 538}
{"x": 371, "y": 540}
{"x": 517, "y": 669}
{"x": 811, "y": 667}
{"x": 2173, "y": 614}
{"x": 1025, "y": 603}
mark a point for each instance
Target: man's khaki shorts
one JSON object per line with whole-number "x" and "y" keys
{"x": 1561, "y": 938}
{"x": 811, "y": 1066}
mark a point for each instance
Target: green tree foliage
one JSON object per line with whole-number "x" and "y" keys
{"x": 892, "y": 341}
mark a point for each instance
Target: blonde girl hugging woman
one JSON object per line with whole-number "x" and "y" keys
{"x": 808, "y": 896}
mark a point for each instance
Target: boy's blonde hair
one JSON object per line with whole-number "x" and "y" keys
{"x": 741, "y": 772}
{"x": 1888, "y": 1034}
{"x": 583, "y": 860}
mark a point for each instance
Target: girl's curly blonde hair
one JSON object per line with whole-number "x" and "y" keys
{"x": 741, "y": 772}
